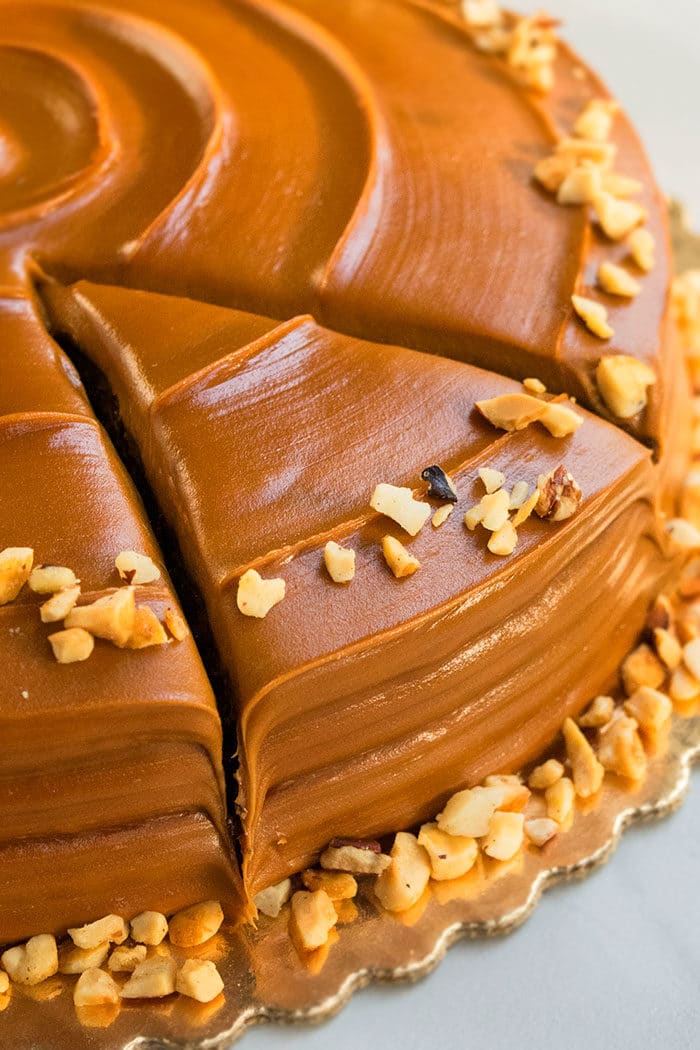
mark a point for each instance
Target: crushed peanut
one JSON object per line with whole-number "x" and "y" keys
{"x": 4, "y": 982}
{"x": 400, "y": 561}
{"x": 111, "y": 617}
{"x": 404, "y": 881}
{"x": 586, "y": 771}
{"x": 540, "y": 830}
{"x": 399, "y": 505}
{"x": 512, "y": 411}
{"x": 126, "y": 958}
{"x": 682, "y": 534}
{"x": 601, "y": 154}
{"x": 59, "y": 604}
{"x": 504, "y": 540}
{"x": 642, "y": 247}
{"x": 620, "y": 749}
{"x": 495, "y": 510}
{"x": 617, "y": 281}
{"x": 623, "y": 382}
{"x": 505, "y": 835}
{"x": 339, "y": 885}
{"x": 598, "y": 713}
{"x": 72, "y": 645}
{"x": 560, "y": 419}
{"x": 147, "y": 629}
{"x": 95, "y": 988}
{"x": 650, "y": 709}
{"x": 151, "y": 979}
{"x": 581, "y": 185}
{"x": 469, "y": 812}
{"x": 551, "y": 172}
{"x": 111, "y": 928}
{"x": 357, "y": 856}
{"x": 196, "y": 924}
{"x": 175, "y": 624}
{"x": 312, "y": 919}
{"x": 518, "y": 495}
{"x": 451, "y": 856}
{"x": 560, "y": 799}
{"x": 621, "y": 185}
{"x": 78, "y": 960}
{"x": 594, "y": 315}
{"x": 339, "y": 561}
{"x": 256, "y": 596}
{"x": 271, "y": 901}
{"x": 546, "y": 774}
{"x": 15, "y": 569}
{"x": 199, "y": 979}
{"x": 642, "y": 667}
{"x": 558, "y": 495}
{"x": 493, "y": 480}
{"x": 535, "y": 386}
{"x": 525, "y": 510}
{"x": 47, "y": 579}
{"x": 668, "y": 648}
{"x": 618, "y": 218}
{"x": 691, "y": 657}
{"x": 33, "y": 962}
{"x": 481, "y": 14}
{"x": 683, "y": 686}
{"x": 135, "y": 568}
{"x": 595, "y": 123}
{"x": 515, "y": 792}
{"x": 150, "y": 927}
{"x": 441, "y": 515}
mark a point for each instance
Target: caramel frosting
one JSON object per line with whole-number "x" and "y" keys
{"x": 361, "y": 708}
{"x": 106, "y": 763}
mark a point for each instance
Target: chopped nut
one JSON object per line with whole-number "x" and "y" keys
{"x": 687, "y": 630}
{"x": 151, "y": 979}
{"x": 595, "y": 123}
{"x": 518, "y": 495}
{"x": 558, "y": 495}
{"x": 525, "y": 510}
{"x": 621, "y": 185}
{"x": 594, "y": 315}
{"x": 469, "y": 812}
{"x": 126, "y": 958}
{"x": 660, "y": 614}
{"x": 540, "y": 830}
{"x": 147, "y": 629}
{"x": 399, "y": 505}
{"x": 617, "y": 281}
{"x": 515, "y": 793}
{"x": 451, "y": 856}
{"x": 196, "y": 924}
{"x": 358, "y": 856}
{"x": 560, "y": 420}
{"x": 505, "y": 835}
{"x": 271, "y": 901}
{"x": 682, "y": 534}
{"x": 313, "y": 917}
{"x": 598, "y": 713}
{"x": 683, "y": 686}
{"x": 59, "y": 604}
{"x": 339, "y": 885}
{"x": 504, "y": 540}
{"x": 535, "y": 386}
{"x": 618, "y": 218}
{"x": 551, "y": 173}
{"x": 493, "y": 479}
{"x": 668, "y": 648}
{"x": 4, "y": 983}
{"x": 402, "y": 884}
{"x": 135, "y": 568}
{"x": 623, "y": 382}
{"x": 691, "y": 657}
{"x": 586, "y": 771}
{"x": 690, "y": 497}
{"x": 111, "y": 928}
{"x": 492, "y": 41}
{"x": 545, "y": 775}
{"x": 512, "y": 411}
{"x": 560, "y": 799}
{"x": 33, "y": 962}
{"x": 111, "y": 617}
{"x": 15, "y": 568}
{"x": 495, "y": 508}
{"x": 47, "y": 579}
{"x": 150, "y": 927}
{"x": 481, "y": 13}
{"x": 199, "y": 979}
{"x": 650, "y": 709}
{"x": 95, "y": 988}
{"x": 72, "y": 645}
{"x": 581, "y": 185}
{"x": 340, "y": 562}
{"x": 642, "y": 246}
{"x": 474, "y": 516}
{"x": 620, "y": 749}
{"x": 642, "y": 667}
{"x": 400, "y": 561}
{"x": 602, "y": 154}
{"x": 256, "y": 596}
{"x": 78, "y": 960}
{"x": 175, "y": 624}
{"x": 441, "y": 486}
{"x": 532, "y": 51}
{"x": 441, "y": 515}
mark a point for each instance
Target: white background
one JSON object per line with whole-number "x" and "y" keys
{"x": 611, "y": 963}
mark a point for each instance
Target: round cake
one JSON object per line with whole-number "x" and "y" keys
{"x": 343, "y": 423}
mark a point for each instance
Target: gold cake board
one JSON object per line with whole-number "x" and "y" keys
{"x": 266, "y": 979}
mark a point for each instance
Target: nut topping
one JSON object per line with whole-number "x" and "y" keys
{"x": 595, "y": 123}
{"x": 400, "y": 561}
{"x": 72, "y": 645}
{"x": 135, "y": 568}
{"x": 111, "y": 617}
{"x": 256, "y": 596}
{"x": 535, "y": 386}
{"x": 95, "y": 988}
{"x": 33, "y": 962}
{"x": 642, "y": 667}
{"x": 581, "y": 185}
{"x": 540, "y": 830}
{"x": 594, "y": 316}
{"x": 271, "y": 901}
{"x": 559, "y": 496}
{"x": 151, "y": 979}
{"x": 587, "y": 772}
{"x": 47, "y": 579}
{"x": 147, "y": 629}
{"x": 623, "y": 382}
{"x": 441, "y": 515}
{"x": 175, "y": 624}
{"x": 617, "y": 281}
{"x": 545, "y": 775}
{"x": 505, "y": 835}
{"x": 59, "y": 605}
{"x": 560, "y": 799}
{"x": 399, "y": 505}
{"x": 493, "y": 479}
{"x": 111, "y": 928}
{"x": 650, "y": 709}
{"x": 598, "y": 713}
{"x": 469, "y": 812}
{"x": 481, "y": 14}
{"x": 620, "y": 749}
{"x": 618, "y": 218}
{"x": 77, "y": 960}
{"x": 404, "y": 881}
{"x": 15, "y": 568}
{"x": 357, "y": 856}
{"x": 451, "y": 856}
{"x": 512, "y": 411}
{"x": 504, "y": 540}
{"x": 196, "y": 924}
{"x": 339, "y": 885}
{"x": 199, "y": 979}
{"x": 125, "y": 958}
{"x": 340, "y": 562}
{"x": 641, "y": 246}
{"x": 313, "y": 917}
{"x": 682, "y": 534}
{"x": 150, "y": 927}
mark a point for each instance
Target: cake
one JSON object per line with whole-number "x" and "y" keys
{"x": 327, "y": 270}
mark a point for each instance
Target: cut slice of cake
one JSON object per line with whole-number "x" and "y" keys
{"x": 362, "y": 705}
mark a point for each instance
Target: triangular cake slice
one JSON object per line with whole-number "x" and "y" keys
{"x": 111, "y": 785}
{"x": 362, "y": 706}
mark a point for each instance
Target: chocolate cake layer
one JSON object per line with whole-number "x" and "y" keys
{"x": 125, "y": 747}
{"x": 362, "y": 707}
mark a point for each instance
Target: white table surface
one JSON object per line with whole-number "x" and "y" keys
{"x": 611, "y": 963}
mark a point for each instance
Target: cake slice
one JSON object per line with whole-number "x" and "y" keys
{"x": 362, "y": 706}
{"x": 111, "y": 785}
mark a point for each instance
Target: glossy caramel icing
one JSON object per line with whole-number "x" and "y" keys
{"x": 235, "y": 209}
